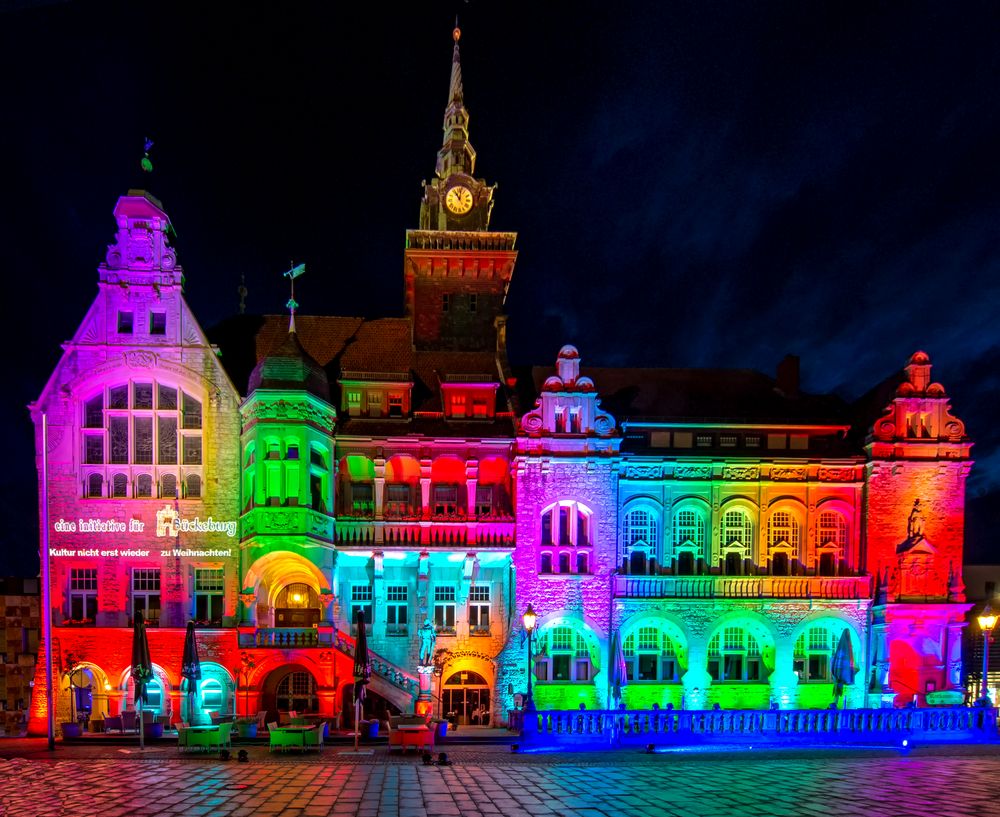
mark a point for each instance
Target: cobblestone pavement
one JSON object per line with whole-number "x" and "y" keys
{"x": 491, "y": 781}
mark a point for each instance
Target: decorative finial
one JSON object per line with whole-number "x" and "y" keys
{"x": 242, "y": 292}
{"x": 291, "y": 275}
{"x": 146, "y": 162}
{"x": 456, "y": 35}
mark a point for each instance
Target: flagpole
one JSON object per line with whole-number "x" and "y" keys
{"x": 47, "y": 588}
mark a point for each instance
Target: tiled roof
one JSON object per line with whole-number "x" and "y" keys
{"x": 710, "y": 395}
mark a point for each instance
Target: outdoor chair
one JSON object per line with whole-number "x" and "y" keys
{"x": 201, "y": 740}
{"x": 262, "y": 719}
{"x": 282, "y": 739}
{"x": 314, "y": 737}
{"x": 114, "y": 722}
{"x": 182, "y": 738}
{"x": 130, "y": 721}
{"x": 225, "y": 735}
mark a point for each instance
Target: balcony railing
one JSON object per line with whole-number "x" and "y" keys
{"x": 283, "y": 637}
{"x": 743, "y": 587}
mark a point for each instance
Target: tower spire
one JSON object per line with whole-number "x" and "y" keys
{"x": 456, "y": 154}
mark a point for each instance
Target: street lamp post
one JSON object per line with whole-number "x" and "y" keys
{"x": 987, "y": 621}
{"x": 529, "y": 627}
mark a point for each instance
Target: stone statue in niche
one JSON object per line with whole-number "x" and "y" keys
{"x": 915, "y": 523}
{"x": 428, "y": 637}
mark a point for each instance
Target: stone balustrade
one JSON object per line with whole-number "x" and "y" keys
{"x": 804, "y": 726}
{"x": 743, "y": 587}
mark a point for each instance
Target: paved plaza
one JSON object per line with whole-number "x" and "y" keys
{"x": 119, "y": 781}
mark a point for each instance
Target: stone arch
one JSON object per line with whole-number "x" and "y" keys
{"x": 843, "y": 553}
{"x": 483, "y": 667}
{"x": 666, "y": 622}
{"x": 101, "y": 690}
{"x": 271, "y": 572}
{"x": 126, "y": 693}
{"x": 211, "y": 671}
{"x": 755, "y": 623}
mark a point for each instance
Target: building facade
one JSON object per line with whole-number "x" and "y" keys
{"x": 723, "y": 527}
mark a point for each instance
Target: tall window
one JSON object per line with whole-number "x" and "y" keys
{"x": 734, "y": 655}
{"x": 361, "y": 599}
{"x": 831, "y": 531}
{"x": 783, "y": 530}
{"x": 146, "y": 594}
{"x": 639, "y": 538}
{"x": 689, "y": 531}
{"x": 650, "y": 656}
{"x": 814, "y": 655}
{"x": 737, "y": 529}
{"x": 565, "y": 528}
{"x": 563, "y": 657}
{"x": 396, "y": 615}
{"x": 444, "y": 609}
{"x": 150, "y": 426}
{"x": 479, "y": 610}
{"x": 208, "y": 595}
{"x": 83, "y": 594}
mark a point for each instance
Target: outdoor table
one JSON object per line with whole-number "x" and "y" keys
{"x": 415, "y": 735}
{"x": 295, "y": 732}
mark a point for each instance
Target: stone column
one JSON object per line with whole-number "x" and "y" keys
{"x": 784, "y": 680}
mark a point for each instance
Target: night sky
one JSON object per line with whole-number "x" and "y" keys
{"x": 693, "y": 184}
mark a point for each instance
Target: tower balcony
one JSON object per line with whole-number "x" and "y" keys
{"x": 293, "y": 519}
{"x": 743, "y": 587}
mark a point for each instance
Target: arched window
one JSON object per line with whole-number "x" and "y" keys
{"x": 639, "y": 527}
{"x": 119, "y": 485}
{"x": 689, "y": 531}
{"x": 546, "y": 566}
{"x": 95, "y": 485}
{"x": 651, "y": 656}
{"x": 564, "y": 562}
{"x": 832, "y": 541}
{"x": 814, "y": 653}
{"x": 582, "y": 562}
{"x": 783, "y": 531}
{"x": 144, "y": 485}
{"x": 193, "y": 486}
{"x": 737, "y": 529}
{"x": 357, "y": 487}
{"x": 563, "y": 657}
{"x": 449, "y": 496}
{"x": 297, "y": 692}
{"x": 402, "y": 488}
{"x": 168, "y": 486}
{"x": 734, "y": 656}
{"x": 639, "y": 540}
{"x": 211, "y": 695}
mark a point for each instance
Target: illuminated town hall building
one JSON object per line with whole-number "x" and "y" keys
{"x": 724, "y": 525}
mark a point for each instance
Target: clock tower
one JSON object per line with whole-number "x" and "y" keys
{"x": 456, "y": 270}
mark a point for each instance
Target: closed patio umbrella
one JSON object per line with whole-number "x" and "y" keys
{"x": 191, "y": 667}
{"x": 142, "y": 669}
{"x": 362, "y": 671}
{"x": 619, "y": 669}
{"x": 843, "y": 668}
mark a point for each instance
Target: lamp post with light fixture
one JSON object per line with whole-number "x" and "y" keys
{"x": 987, "y": 621}
{"x": 529, "y": 619}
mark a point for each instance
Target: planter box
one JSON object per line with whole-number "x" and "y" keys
{"x": 247, "y": 730}
{"x": 71, "y": 730}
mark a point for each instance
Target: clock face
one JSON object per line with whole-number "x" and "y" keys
{"x": 459, "y": 200}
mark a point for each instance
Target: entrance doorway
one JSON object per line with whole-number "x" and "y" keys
{"x": 467, "y": 695}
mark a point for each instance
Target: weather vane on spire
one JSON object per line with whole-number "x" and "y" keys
{"x": 147, "y": 163}
{"x": 291, "y": 275}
